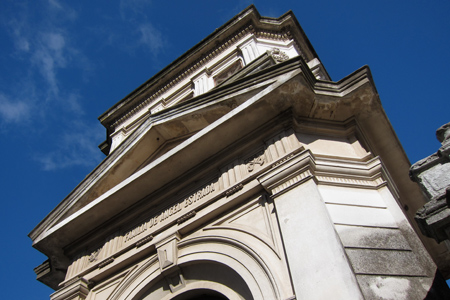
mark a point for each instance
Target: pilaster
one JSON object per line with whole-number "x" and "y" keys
{"x": 317, "y": 261}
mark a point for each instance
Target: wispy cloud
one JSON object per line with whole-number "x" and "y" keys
{"x": 13, "y": 111}
{"x": 42, "y": 49}
{"x": 132, "y": 9}
{"x": 49, "y": 55}
{"x": 151, "y": 38}
{"x": 47, "y": 46}
{"x": 55, "y": 4}
{"x": 132, "y": 12}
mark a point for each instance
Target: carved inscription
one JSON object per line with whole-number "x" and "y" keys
{"x": 169, "y": 212}
{"x": 140, "y": 229}
{"x": 199, "y": 195}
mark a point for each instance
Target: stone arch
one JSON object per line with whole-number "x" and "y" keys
{"x": 237, "y": 256}
{"x": 220, "y": 266}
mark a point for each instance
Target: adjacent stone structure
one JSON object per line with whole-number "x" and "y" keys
{"x": 241, "y": 171}
{"x": 433, "y": 176}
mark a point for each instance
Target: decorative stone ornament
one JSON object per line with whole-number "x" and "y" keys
{"x": 278, "y": 55}
{"x": 168, "y": 253}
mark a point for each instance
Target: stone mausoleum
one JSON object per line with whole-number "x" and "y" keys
{"x": 242, "y": 171}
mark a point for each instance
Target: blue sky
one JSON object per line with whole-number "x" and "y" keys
{"x": 63, "y": 64}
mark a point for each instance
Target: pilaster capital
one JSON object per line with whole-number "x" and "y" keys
{"x": 78, "y": 289}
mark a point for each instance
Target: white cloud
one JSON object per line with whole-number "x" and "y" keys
{"x": 55, "y": 4}
{"x": 73, "y": 104}
{"x": 50, "y": 54}
{"x": 151, "y": 38}
{"x": 16, "y": 28}
{"x": 13, "y": 111}
{"x": 133, "y": 13}
{"x": 22, "y": 44}
{"x": 130, "y": 9}
{"x": 36, "y": 96}
{"x": 45, "y": 43}
{"x": 65, "y": 12}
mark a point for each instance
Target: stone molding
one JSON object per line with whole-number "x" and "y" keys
{"x": 295, "y": 169}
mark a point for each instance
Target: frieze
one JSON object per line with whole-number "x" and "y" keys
{"x": 144, "y": 231}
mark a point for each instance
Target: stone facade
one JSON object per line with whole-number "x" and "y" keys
{"x": 241, "y": 171}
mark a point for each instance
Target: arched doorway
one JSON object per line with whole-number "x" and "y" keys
{"x": 202, "y": 280}
{"x": 201, "y": 294}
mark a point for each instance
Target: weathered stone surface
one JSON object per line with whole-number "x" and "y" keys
{"x": 391, "y": 288}
{"x": 433, "y": 175}
{"x": 372, "y": 238}
{"x": 384, "y": 262}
